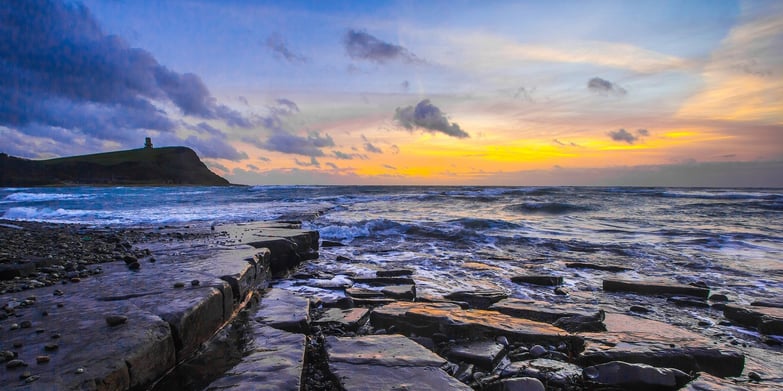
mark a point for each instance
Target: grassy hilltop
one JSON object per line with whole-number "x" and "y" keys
{"x": 141, "y": 167}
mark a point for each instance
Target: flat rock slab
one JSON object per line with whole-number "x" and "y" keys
{"x": 394, "y": 273}
{"x": 655, "y": 287}
{"x": 363, "y": 293}
{"x": 284, "y": 310}
{"x": 275, "y": 362}
{"x": 598, "y": 266}
{"x": 288, "y": 243}
{"x": 768, "y": 320}
{"x": 480, "y": 298}
{"x": 351, "y": 318}
{"x": 429, "y": 318}
{"x": 543, "y": 280}
{"x": 541, "y": 311}
{"x": 483, "y": 354}
{"x": 387, "y": 362}
{"x": 380, "y": 281}
{"x": 638, "y": 340}
{"x": 400, "y": 292}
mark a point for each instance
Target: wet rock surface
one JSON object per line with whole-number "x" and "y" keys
{"x": 328, "y": 328}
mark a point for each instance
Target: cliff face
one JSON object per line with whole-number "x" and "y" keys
{"x": 147, "y": 166}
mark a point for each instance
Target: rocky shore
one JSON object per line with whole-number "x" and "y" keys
{"x": 253, "y": 306}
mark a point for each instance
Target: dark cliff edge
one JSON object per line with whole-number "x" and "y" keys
{"x": 135, "y": 167}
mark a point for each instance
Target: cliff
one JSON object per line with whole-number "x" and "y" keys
{"x": 146, "y": 166}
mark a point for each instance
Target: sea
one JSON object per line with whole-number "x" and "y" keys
{"x": 474, "y": 237}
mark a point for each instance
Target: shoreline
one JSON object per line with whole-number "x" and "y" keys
{"x": 382, "y": 305}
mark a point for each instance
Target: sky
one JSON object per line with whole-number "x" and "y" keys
{"x": 604, "y": 93}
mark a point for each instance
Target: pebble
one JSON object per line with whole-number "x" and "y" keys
{"x": 15, "y": 364}
{"x": 116, "y": 320}
{"x": 60, "y": 305}
{"x": 79, "y": 371}
{"x": 129, "y": 259}
{"x": 754, "y": 376}
{"x": 639, "y": 309}
{"x": 537, "y": 351}
{"x": 51, "y": 347}
{"x": 39, "y": 331}
{"x": 502, "y": 340}
{"x": 42, "y": 359}
{"x": 14, "y": 326}
{"x": 179, "y": 285}
{"x": 25, "y": 375}
{"x": 75, "y": 279}
{"x": 31, "y": 379}
{"x": 56, "y": 335}
{"x": 719, "y": 297}
{"x": 26, "y": 324}
{"x": 58, "y": 292}
{"x": 7, "y": 355}
{"x": 195, "y": 283}
{"x": 134, "y": 266}
{"x": 562, "y": 291}
{"x": 18, "y": 345}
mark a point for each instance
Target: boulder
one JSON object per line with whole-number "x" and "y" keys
{"x": 636, "y": 376}
{"x": 655, "y": 287}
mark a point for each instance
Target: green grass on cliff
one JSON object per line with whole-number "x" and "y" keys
{"x": 142, "y": 155}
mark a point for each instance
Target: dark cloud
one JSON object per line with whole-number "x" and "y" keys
{"x": 390, "y": 167}
{"x": 349, "y": 156}
{"x": 218, "y": 166}
{"x": 622, "y": 135}
{"x": 284, "y": 107}
{"x": 252, "y": 167}
{"x": 332, "y": 166}
{"x": 524, "y": 94}
{"x": 405, "y": 85}
{"x": 427, "y": 117}
{"x": 62, "y": 77}
{"x": 320, "y": 141}
{"x": 605, "y": 87}
{"x": 264, "y": 159}
{"x": 362, "y": 46}
{"x": 278, "y": 46}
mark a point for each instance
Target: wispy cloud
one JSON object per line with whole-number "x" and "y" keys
{"x": 279, "y": 47}
{"x": 360, "y": 45}
{"x": 429, "y": 118}
{"x": 605, "y": 87}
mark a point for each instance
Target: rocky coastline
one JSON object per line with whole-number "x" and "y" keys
{"x": 220, "y": 307}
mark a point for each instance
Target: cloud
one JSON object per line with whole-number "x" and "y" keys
{"x": 332, "y": 166}
{"x": 395, "y": 149}
{"x": 210, "y": 147}
{"x": 362, "y": 46}
{"x": 277, "y": 45}
{"x": 605, "y": 87}
{"x": 312, "y": 163}
{"x": 264, "y": 159}
{"x": 427, "y": 117}
{"x": 524, "y": 94}
{"x": 282, "y": 141}
{"x": 252, "y": 167}
{"x": 64, "y": 78}
{"x": 405, "y": 85}
{"x": 622, "y": 135}
{"x": 369, "y": 147}
{"x": 390, "y": 167}
{"x": 563, "y": 144}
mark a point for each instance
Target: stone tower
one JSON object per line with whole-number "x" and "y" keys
{"x": 148, "y": 143}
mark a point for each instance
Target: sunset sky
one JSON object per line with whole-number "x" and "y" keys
{"x": 672, "y": 93}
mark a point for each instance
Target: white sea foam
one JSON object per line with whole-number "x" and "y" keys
{"x": 39, "y": 197}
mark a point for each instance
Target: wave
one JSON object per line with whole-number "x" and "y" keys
{"x": 551, "y": 208}
{"x": 41, "y": 197}
{"x": 722, "y": 195}
{"x": 478, "y": 223}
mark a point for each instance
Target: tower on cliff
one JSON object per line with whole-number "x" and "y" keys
{"x": 148, "y": 143}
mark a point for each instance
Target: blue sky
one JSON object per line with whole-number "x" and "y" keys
{"x": 458, "y": 92}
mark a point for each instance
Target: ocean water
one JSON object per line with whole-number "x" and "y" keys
{"x": 469, "y": 237}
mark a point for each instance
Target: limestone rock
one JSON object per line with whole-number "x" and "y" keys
{"x": 638, "y": 376}
{"x": 655, "y": 287}
{"x": 538, "y": 280}
{"x": 284, "y": 310}
{"x": 480, "y": 298}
